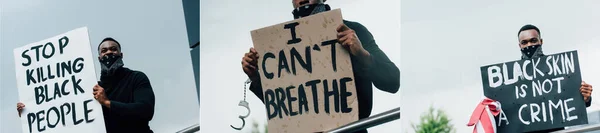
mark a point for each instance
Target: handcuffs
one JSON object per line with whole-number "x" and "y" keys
{"x": 244, "y": 104}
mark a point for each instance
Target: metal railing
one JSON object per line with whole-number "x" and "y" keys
{"x": 579, "y": 129}
{"x": 378, "y": 119}
{"x": 372, "y": 121}
{"x": 190, "y": 129}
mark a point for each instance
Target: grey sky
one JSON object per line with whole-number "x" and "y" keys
{"x": 225, "y": 27}
{"x": 445, "y": 42}
{"x": 153, "y": 38}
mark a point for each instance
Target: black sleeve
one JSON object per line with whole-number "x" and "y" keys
{"x": 588, "y": 103}
{"x": 383, "y": 72}
{"x": 256, "y": 88}
{"x": 142, "y": 106}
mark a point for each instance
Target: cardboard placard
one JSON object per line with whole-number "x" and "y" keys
{"x": 307, "y": 79}
{"x": 55, "y": 78}
{"x": 536, "y": 94}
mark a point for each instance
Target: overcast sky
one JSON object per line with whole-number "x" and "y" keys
{"x": 153, "y": 38}
{"x": 445, "y": 42}
{"x": 225, "y": 27}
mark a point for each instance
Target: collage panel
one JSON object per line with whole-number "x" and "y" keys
{"x": 227, "y": 36}
{"x": 96, "y": 66}
{"x": 472, "y": 54}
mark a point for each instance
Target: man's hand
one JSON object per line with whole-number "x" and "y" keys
{"x": 586, "y": 91}
{"x": 20, "y": 107}
{"x": 100, "y": 96}
{"x": 348, "y": 38}
{"x": 249, "y": 64}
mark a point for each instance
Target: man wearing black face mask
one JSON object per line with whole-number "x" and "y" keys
{"x": 126, "y": 95}
{"x": 530, "y": 42}
{"x": 369, "y": 63}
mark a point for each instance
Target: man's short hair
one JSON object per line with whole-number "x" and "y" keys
{"x": 109, "y": 39}
{"x": 529, "y": 27}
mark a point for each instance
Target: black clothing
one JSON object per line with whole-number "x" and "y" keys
{"x": 381, "y": 72}
{"x": 131, "y": 101}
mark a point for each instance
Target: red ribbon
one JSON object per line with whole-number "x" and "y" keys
{"x": 481, "y": 115}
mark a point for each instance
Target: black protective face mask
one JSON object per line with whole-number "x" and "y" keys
{"x": 533, "y": 51}
{"x": 109, "y": 59}
{"x": 110, "y": 63}
{"x": 311, "y": 9}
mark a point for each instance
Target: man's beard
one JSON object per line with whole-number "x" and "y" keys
{"x": 109, "y": 64}
{"x": 311, "y": 9}
{"x": 530, "y": 52}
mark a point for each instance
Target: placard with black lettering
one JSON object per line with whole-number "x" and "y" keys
{"x": 307, "y": 79}
{"x": 55, "y": 78}
{"x": 536, "y": 94}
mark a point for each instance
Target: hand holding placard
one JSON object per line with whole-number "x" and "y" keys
{"x": 20, "y": 107}
{"x": 348, "y": 38}
{"x": 586, "y": 91}
{"x": 101, "y": 96}
{"x": 249, "y": 64}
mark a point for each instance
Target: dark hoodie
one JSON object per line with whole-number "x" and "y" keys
{"x": 381, "y": 72}
{"x": 131, "y": 102}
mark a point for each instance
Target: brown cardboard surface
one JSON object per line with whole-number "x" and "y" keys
{"x": 313, "y": 31}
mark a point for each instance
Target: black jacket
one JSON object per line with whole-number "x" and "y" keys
{"x": 131, "y": 102}
{"x": 381, "y": 72}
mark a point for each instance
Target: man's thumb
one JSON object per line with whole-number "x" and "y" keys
{"x": 342, "y": 27}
